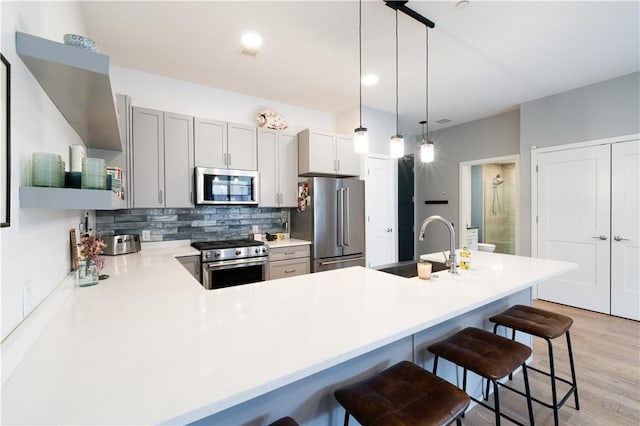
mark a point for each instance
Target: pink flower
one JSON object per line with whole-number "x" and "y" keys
{"x": 91, "y": 248}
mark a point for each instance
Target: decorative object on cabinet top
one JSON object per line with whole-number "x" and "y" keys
{"x": 271, "y": 119}
{"x": 81, "y": 41}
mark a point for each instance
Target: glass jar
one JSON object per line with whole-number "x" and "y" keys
{"x": 87, "y": 273}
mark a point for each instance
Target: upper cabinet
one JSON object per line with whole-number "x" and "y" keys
{"x": 78, "y": 83}
{"x": 162, "y": 159}
{"x": 322, "y": 153}
{"x": 278, "y": 167}
{"x": 225, "y": 145}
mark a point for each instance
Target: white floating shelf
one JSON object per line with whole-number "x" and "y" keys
{"x": 35, "y": 197}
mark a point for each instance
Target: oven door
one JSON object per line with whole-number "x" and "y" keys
{"x": 229, "y": 273}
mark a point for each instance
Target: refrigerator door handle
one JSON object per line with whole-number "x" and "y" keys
{"x": 340, "y": 217}
{"x": 334, "y": 262}
{"x": 347, "y": 216}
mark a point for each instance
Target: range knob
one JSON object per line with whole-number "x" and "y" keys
{"x": 216, "y": 254}
{"x": 257, "y": 251}
{"x": 207, "y": 255}
{"x": 264, "y": 249}
{"x": 238, "y": 252}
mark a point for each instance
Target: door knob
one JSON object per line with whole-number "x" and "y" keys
{"x": 601, "y": 237}
{"x": 389, "y": 229}
{"x": 619, "y": 238}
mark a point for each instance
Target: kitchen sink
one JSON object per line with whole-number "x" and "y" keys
{"x": 409, "y": 269}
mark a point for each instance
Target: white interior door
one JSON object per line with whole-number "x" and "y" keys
{"x": 625, "y": 229}
{"x": 574, "y": 224}
{"x": 380, "y": 211}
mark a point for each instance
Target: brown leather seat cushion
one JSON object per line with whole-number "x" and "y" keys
{"x": 482, "y": 352}
{"x": 537, "y": 322}
{"x": 285, "y": 421}
{"x": 404, "y": 394}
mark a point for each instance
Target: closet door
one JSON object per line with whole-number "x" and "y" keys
{"x": 625, "y": 229}
{"x": 574, "y": 224}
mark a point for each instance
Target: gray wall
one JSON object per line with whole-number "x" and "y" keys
{"x": 490, "y": 137}
{"x": 476, "y": 200}
{"x": 606, "y": 109}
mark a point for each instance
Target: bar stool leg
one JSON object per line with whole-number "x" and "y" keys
{"x": 497, "y": 402}
{"x": 346, "y": 418}
{"x": 573, "y": 372}
{"x": 513, "y": 337}
{"x": 435, "y": 365}
{"x": 527, "y": 390}
{"x": 552, "y": 373}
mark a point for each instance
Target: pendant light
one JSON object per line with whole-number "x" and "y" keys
{"x": 397, "y": 141}
{"x": 427, "y": 150}
{"x": 360, "y": 135}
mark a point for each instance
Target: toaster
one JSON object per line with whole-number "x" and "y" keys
{"x": 121, "y": 244}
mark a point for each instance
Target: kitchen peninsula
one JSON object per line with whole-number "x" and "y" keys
{"x": 150, "y": 345}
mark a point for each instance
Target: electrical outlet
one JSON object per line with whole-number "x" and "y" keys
{"x": 146, "y": 235}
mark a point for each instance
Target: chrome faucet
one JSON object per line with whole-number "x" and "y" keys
{"x": 451, "y": 263}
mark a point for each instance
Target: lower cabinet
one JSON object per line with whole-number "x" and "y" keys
{"x": 191, "y": 264}
{"x": 288, "y": 261}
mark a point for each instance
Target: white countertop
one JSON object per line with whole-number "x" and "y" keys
{"x": 287, "y": 243}
{"x": 150, "y": 345}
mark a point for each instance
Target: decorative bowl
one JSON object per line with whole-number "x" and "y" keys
{"x": 80, "y": 41}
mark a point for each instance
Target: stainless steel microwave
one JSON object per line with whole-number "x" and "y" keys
{"x": 226, "y": 186}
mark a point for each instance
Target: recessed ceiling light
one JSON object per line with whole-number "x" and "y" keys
{"x": 462, "y": 4}
{"x": 251, "y": 41}
{"x": 370, "y": 79}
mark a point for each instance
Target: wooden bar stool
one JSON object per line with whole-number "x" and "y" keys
{"x": 490, "y": 356}
{"x": 404, "y": 394}
{"x": 547, "y": 325}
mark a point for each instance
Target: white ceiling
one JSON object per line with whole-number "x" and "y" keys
{"x": 484, "y": 59}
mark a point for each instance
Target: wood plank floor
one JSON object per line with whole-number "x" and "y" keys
{"x": 606, "y": 351}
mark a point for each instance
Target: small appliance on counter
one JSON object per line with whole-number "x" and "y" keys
{"x": 121, "y": 244}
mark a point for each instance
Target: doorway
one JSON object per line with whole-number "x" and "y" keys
{"x": 489, "y": 201}
{"x": 381, "y": 215}
{"x": 406, "y": 208}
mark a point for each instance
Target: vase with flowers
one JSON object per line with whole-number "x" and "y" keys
{"x": 90, "y": 260}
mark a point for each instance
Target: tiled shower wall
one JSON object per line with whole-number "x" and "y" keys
{"x": 196, "y": 224}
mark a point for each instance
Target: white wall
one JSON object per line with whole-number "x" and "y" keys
{"x": 35, "y": 248}
{"x": 380, "y": 126}
{"x": 607, "y": 109}
{"x": 167, "y": 94}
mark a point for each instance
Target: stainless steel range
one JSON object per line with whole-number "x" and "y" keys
{"x": 233, "y": 262}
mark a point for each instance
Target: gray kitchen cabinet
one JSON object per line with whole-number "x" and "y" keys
{"x": 162, "y": 159}
{"x": 288, "y": 261}
{"x": 278, "y": 167}
{"x": 242, "y": 149}
{"x": 219, "y": 144}
{"x": 210, "y": 143}
{"x": 191, "y": 264}
{"x": 322, "y": 153}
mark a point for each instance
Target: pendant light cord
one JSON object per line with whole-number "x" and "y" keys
{"x": 426, "y": 90}
{"x": 360, "y": 50}
{"x": 397, "y": 131}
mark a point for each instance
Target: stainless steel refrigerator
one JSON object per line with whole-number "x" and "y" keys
{"x": 331, "y": 215}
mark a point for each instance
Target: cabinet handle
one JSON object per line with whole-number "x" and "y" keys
{"x": 619, "y": 238}
{"x": 160, "y": 200}
{"x": 229, "y": 158}
{"x": 289, "y": 253}
{"x": 601, "y": 237}
{"x": 289, "y": 272}
{"x": 336, "y": 165}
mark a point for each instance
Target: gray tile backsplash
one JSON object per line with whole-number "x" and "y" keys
{"x": 196, "y": 224}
